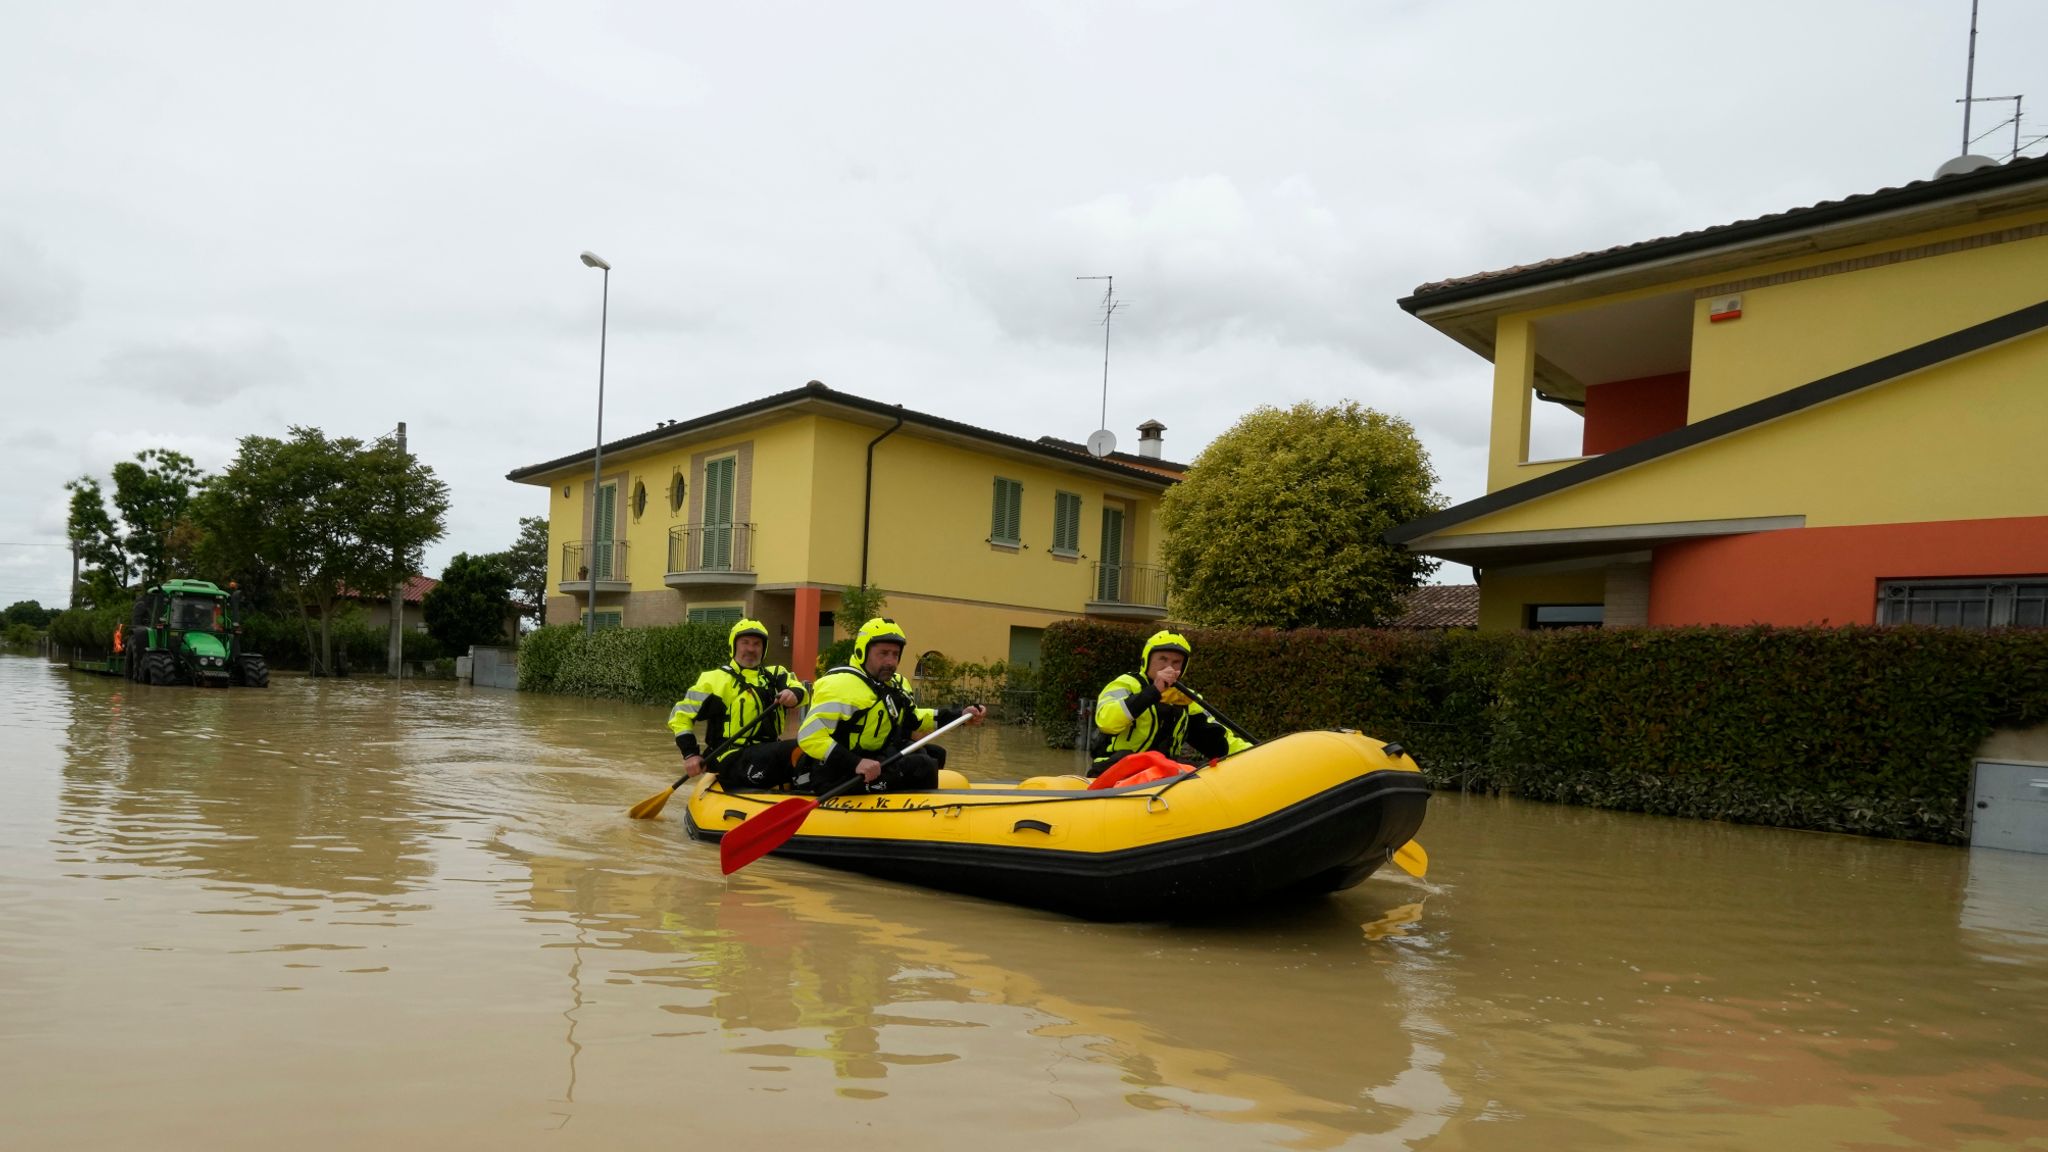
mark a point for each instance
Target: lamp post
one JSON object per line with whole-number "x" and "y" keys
{"x": 593, "y": 260}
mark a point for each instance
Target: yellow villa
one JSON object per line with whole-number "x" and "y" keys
{"x": 770, "y": 508}
{"x": 1829, "y": 415}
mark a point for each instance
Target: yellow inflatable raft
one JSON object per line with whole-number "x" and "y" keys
{"x": 1309, "y": 813}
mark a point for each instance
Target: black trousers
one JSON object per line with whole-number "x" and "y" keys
{"x": 759, "y": 767}
{"x": 916, "y": 772}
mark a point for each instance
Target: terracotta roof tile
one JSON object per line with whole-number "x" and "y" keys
{"x": 1439, "y": 606}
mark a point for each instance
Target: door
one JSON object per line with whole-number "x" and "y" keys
{"x": 1109, "y": 582}
{"x": 607, "y": 524}
{"x": 718, "y": 501}
{"x": 2011, "y": 808}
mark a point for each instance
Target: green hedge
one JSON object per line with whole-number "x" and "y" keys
{"x": 1853, "y": 730}
{"x": 280, "y": 637}
{"x": 646, "y": 665}
{"x": 1433, "y": 692}
{"x": 1865, "y": 730}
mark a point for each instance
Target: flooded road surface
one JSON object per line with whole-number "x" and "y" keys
{"x": 329, "y": 915}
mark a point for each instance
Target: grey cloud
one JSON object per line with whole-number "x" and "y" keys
{"x": 37, "y": 295}
{"x": 203, "y": 369}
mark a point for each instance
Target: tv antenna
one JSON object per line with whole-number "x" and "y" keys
{"x": 1103, "y": 436}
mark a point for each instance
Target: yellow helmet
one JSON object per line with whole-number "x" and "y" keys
{"x": 881, "y": 629}
{"x": 1164, "y": 641}
{"x": 746, "y": 628}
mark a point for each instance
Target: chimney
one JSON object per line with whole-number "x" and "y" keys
{"x": 1149, "y": 440}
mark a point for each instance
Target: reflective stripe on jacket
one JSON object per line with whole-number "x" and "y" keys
{"x": 726, "y": 699}
{"x": 852, "y": 718}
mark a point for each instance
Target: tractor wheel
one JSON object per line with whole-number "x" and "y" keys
{"x": 255, "y": 672}
{"x": 159, "y": 668}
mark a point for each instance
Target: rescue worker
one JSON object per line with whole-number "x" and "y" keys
{"x": 729, "y": 700}
{"x": 860, "y": 715}
{"x": 1145, "y": 714}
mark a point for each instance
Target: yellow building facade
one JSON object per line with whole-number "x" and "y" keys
{"x": 980, "y": 539}
{"x": 1829, "y": 415}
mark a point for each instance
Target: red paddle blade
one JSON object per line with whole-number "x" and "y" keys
{"x": 759, "y": 835}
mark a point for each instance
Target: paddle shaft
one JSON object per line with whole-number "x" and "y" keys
{"x": 1226, "y": 721}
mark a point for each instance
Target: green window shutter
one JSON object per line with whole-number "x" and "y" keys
{"x": 1066, "y": 522}
{"x": 1004, "y": 521}
{"x": 718, "y": 514}
{"x": 721, "y": 617}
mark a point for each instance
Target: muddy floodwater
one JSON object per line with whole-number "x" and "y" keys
{"x": 350, "y": 915}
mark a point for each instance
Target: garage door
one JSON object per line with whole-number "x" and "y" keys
{"x": 2011, "y": 806}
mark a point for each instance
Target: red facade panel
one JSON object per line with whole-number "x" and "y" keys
{"x": 1624, "y": 412}
{"x": 1830, "y": 575}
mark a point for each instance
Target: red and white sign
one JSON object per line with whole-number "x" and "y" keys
{"x": 1724, "y": 308}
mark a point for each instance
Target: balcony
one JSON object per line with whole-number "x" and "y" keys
{"x": 701, "y": 554}
{"x": 610, "y": 575}
{"x": 1128, "y": 592}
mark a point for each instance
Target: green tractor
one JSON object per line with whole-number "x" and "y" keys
{"x": 190, "y": 632}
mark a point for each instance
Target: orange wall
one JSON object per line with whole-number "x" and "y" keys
{"x": 1624, "y": 412}
{"x": 1830, "y": 575}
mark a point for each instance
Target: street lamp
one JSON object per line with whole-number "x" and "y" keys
{"x": 593, "y": 260}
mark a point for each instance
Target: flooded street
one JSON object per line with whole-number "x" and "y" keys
{"x": 332, "y": 913}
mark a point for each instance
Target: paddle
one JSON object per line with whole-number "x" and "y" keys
{"x": 1409, "y": 857}
{"x": 759, "y": 835}
{"x": 651, "y": 807}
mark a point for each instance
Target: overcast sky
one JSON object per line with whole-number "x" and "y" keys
{"x": 219, "y": 219}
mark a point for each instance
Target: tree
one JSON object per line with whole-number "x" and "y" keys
{"x": 469, "y": 605}
{"x": 152, "y": 493}
{"x": 317, "y": 516}
{"x": 404, "y": 508}
{"x": 527, "y": 560}
{"x": 1280, "y": 521}
{"x": 157, "y": 538}
{"x": 859, "y": 604}
{"x": 27, "y": 612}
{"x": 106, "y": 573}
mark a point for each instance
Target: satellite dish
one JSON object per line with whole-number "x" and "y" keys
{"x": 1101, "y": 442}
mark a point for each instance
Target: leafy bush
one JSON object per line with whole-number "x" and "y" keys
{"x": 540, "y": 655}
{"x": 89, "y": 631}
{"x": 1851, "y": 730}
{"x": 646, "y": 665}
{"x": 21, "y": 636}
{"x": 840, "y": 653}
{"x": 1865, "y": 730}
{"x": 672, "y": 659}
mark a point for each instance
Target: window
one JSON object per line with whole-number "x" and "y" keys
{"x": 1066, "y": 524}
{"x": 1009, "y": 509}
{"x": 606, "y": 619}
{"x": 2021, "y": 603}
{"x": 719, "y": 493}
{"x": 722, "y": 617}
{"x": 1543, "y": 616}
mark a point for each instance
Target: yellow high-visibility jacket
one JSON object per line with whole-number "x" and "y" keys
{"x": 1134, "y": 718}
{"x": 853, "y": 717}
{"x": 727, "y": 699}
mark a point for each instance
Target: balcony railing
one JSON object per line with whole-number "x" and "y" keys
{"x": 708, "y": 551}
{"x": 1128, "y": 589}
{"x": 609, "y": 568}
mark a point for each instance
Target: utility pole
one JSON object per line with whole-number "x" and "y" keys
{"x": 74, "y": 575}
{"x": 398, "y": 565}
